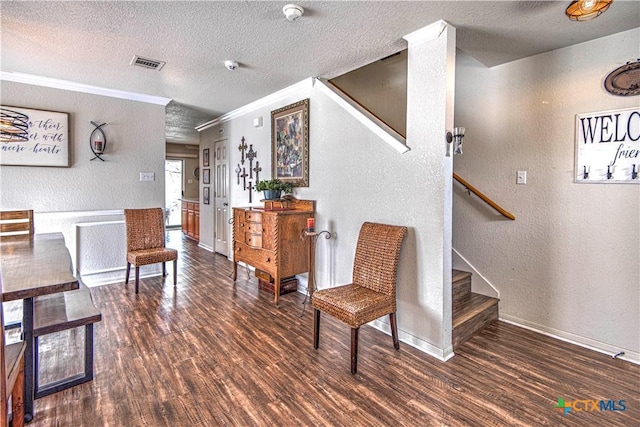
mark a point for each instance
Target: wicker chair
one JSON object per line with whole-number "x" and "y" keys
{"x": 146, "y": 242}
{"x": 373, "y": 291}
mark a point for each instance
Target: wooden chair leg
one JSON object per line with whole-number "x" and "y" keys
{"x": 17, "y": 398}
{"x": 394, "y": 331}
{"x": 126, "y": 280}
{"x": 164, "y": 269}
{"x": 316, "y": 328}
{"x": 175, "y": 272}
{"x": 137, "y": 277}
{"x": 354, "y": 350}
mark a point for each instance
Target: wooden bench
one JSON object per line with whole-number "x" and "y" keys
{"x": 59, "y": 312}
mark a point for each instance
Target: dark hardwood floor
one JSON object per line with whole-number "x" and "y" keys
{"x": 210, "y": 353}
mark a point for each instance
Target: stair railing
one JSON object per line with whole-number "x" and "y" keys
{"x": 484, "y": 198}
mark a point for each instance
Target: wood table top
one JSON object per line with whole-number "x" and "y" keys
{"x": 29, "y": 268}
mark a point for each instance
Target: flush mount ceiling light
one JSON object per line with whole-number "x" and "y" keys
{"x": 586, "y": 10}
{"x": 292, "y": 11}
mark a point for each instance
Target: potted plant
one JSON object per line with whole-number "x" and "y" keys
{"x": 273, "y": 188}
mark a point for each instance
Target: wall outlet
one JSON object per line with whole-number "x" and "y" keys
{"x": 147, "y": 176}
{"x": 521, "y": 177}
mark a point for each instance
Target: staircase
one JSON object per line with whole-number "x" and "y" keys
{"x": 471, "y": 311}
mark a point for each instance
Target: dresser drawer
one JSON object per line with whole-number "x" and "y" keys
{"x": 253, "y": 239}
{"x": 252, "y": 216}
{"x": 259, "y": 258}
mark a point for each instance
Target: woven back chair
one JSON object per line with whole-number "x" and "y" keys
{"x": 372, "y": 293}
{"x": 16, "y": 225}
{"x": 146, "y": 242}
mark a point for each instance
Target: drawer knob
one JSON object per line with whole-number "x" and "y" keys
{"x": 268, "y": 259}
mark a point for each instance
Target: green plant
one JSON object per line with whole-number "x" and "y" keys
{"x": 274, "y": 184}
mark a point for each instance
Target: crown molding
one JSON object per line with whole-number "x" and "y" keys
{"x": 81, "y": 87}
{"x": 260, "y": 103}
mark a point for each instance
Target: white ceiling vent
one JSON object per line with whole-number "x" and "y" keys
{"x": 152, "y": 64}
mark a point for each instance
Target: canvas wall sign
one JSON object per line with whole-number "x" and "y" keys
{"x": 31, "y": 137}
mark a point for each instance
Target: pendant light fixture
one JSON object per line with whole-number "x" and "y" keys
{"x": 586, "y": 10}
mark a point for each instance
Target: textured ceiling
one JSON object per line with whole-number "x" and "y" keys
{"x": 94, "y": 42}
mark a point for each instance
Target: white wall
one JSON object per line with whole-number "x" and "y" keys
{"x": 356, "y": 177}
{"x": 89, "y": 191}
{"x": 570, "y": 263}
{"x": 135, "y": 143}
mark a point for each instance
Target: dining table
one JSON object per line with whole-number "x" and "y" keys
{"x": 30, "y": 268}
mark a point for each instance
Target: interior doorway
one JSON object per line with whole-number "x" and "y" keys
{"x": 173, "y": 188}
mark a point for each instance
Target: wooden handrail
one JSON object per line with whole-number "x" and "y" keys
{"x": 486, "y": 199}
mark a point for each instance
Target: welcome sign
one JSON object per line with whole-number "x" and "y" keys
{"x": 608, "y": 146}
{"x": 33, "y": 137}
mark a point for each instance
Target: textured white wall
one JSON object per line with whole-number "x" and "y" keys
{"x": 89, "y": 191}
{"x": 135, "y": 143}
{"x": 356, "y": 177}
{"x": 570, "y": 263}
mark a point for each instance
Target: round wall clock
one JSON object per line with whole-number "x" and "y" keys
{"x": 625, "y": 80}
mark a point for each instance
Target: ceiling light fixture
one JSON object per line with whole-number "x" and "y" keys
{"x": 292, "y": 11}
{"x": 231, "y": 65}
{"x": 586, "y": 10}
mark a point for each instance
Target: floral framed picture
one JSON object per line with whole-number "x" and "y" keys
{"x": 205, "y": 195}
{"x": 290, "y": 143}
{"x": 206, "y": 176}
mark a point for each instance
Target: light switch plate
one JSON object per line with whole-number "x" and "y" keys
{"x": 147, "y": 176}
{"x": 521, "y": 177}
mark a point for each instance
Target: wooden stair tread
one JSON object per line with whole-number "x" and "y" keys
{"x": 457, "y": 275}
{"x": 476, "y": 304}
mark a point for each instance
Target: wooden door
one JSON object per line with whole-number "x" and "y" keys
{"x": 221, "y": 198}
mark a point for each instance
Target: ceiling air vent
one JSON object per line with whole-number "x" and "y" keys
{"x": 151, "y": 64}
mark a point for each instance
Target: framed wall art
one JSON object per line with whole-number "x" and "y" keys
{"x": 205, "y": 195}
{"x": 206, "y": 176}
{"x": 205, "y": 157}
{"x": 290, "y": 143}
{"x": 31, "y": 137}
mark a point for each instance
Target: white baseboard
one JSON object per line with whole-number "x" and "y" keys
{"x": 415, "y": 342}
{"x": 600, "y": 347}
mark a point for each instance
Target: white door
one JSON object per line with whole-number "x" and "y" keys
{"x": 221, "y": 198}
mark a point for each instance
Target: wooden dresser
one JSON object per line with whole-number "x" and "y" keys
{"x": 191, "y": 219}
{"x": 272, "y": 239}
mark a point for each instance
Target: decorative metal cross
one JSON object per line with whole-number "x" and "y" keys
{"x": 244, "y": 179}
{"x": 238, "y": 170}
{"x": 250, "y": 156}
{"x": 242, "y": 147}
{"x": 257, "y": 170}
{"x": 250, "y": 188}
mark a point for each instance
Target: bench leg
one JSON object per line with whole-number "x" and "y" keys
{"x": 137, "y": 277}
{"x": 126, "y": 279}
{"x": 17, "y": 398}
{"x": 75, "y": 380}
{"x": 88, "y": 352}
{"x": 164, "y": 269}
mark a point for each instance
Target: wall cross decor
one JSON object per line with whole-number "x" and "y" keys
{"x": 257, "y": 170}
{"x": 242, "y": 147}
{"x": 241, "y": 171}
{"x": 250, "y": 156}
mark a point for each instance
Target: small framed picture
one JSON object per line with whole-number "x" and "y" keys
{"x": 205, "y": 157}
{"x": 206, "y": 176}
{"x": 205, "y": 195}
